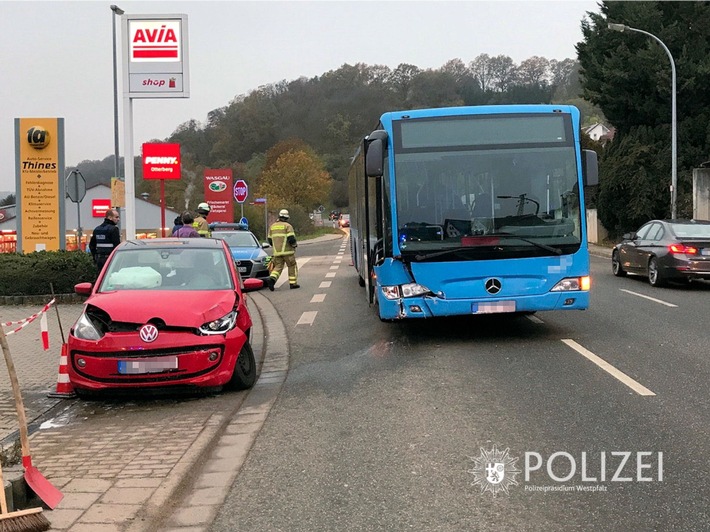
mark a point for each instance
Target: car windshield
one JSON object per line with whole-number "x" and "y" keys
{"x": 692, "y": 230}
{"x": 237, "y": 239}
{"x": 167, "y": 269}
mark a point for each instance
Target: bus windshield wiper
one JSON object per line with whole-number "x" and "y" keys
{"x": 450, "y": 251}
{"x": 556, "y": 251}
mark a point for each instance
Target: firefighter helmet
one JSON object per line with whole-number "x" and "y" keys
{"x": 283, "y": 213}
{"x": 203, "y": 207}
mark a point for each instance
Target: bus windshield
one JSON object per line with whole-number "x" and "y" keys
{"x": 470, "y": 189}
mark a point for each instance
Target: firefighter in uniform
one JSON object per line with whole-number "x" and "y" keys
{"x": 200, "y": 223}
{"x": 283, "y": 239}
{"x": 105, "y": 238}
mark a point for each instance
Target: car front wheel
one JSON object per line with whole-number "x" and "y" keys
{"x": 655, "y": 277}
{"x": 244, "y": 375}
{"x": 616, "y": 264}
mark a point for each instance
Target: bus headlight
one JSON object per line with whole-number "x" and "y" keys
{"x": 405, "y": 290}
{"x": 572, "y": 284}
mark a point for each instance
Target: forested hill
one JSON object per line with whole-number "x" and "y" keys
{"x": 332, "y": 112}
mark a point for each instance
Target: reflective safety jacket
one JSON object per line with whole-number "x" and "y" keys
{"x": 283, "y": 238}
{"x": 202, "y": 227}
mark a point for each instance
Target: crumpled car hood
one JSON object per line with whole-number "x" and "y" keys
{"x": 176, "y": 308}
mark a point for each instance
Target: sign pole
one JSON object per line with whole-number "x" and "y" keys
{"x": 162, "y": 208}
{"x": 78, "y": 213}
{"x": 266, "y": 219}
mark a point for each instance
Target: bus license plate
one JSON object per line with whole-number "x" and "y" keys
{"x": 493, "y": 308}
{"x": 154, "y": 365}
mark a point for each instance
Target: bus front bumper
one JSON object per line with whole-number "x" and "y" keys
{"x": 431, "y": 306}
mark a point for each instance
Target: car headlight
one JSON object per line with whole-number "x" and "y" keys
{"x": 405, "y": 290}
{"x": 572, "y": 284}
{"x": 84, "y": 329}
{"x": 221, "y": 325}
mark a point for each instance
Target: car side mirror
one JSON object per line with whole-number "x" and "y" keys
{"x": 265, "y": 245}
{"x": 83, "y": 289}
{"x": 251, "y": 285}
{"x": 629, "y": 236}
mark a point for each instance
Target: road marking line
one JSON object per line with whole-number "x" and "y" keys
{"x": 611, "y": 370}
{"x": 299, "y": 264}
{"x": 649, "y": 298}
{"x": 534, "y": 319}
{"x": 307, "y": 318}
{"x": 318, "y": 298}
{"x": 335, "y": 267}
{"x": 329, "y": 275}
{"x": 325, "y": 284}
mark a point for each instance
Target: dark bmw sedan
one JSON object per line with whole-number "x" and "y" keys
{"x": 665, "y": 250}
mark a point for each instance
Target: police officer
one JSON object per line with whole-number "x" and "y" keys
{"x": 283, "y": 239}
{"x": 200, "y": 223}
{"x": 104, "y": 238}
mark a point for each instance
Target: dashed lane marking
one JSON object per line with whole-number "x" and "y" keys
{"x": 330, "y": 275}
{"x": 318, "y": 298}
{"x": 649, "y": 298}
{"x": 325, "y": 284}
{"x": 611, "y": 370}
{"x": 335, "y": 267}
{"x": 307, "y": 317}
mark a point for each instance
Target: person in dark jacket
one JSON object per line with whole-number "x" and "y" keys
{"x": 105, "y": 238}
{"x": 177, "y": 224}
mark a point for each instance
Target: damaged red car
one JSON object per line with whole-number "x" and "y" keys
{"x": 167, "y": 314}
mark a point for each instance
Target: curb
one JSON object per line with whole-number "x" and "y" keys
{"x": 167, "y": 502}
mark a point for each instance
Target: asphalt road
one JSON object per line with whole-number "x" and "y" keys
{"x": 386, "y": 426}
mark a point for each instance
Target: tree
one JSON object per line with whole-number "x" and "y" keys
{"x": 628, "y": 76}
{"x": 8, "y": 200}
{"x": 296, "y": 178}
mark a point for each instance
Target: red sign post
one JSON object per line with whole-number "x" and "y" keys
{"x": 161, "y": 161}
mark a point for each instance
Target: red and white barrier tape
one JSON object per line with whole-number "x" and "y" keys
{"x": 25, "y": 322}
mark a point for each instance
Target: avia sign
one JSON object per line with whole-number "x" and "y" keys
{"x": 155, "y": 56}
{"x": 161, "y": 161}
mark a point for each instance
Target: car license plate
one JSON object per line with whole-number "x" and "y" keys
{"x": 493, "y": 308}
{"x": 242, "y": 269}
{"x": 153, "y": 365}
{"x": 705, "y": 252}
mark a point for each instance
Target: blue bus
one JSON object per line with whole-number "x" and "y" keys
{"x": 472, "y": 210}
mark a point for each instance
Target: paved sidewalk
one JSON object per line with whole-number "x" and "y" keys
{"x": 130, "y": 465}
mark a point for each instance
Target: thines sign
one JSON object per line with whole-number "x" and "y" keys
{"x": 155, "y": 55}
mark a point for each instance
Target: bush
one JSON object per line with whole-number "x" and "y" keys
{"x": 30, "y": 274}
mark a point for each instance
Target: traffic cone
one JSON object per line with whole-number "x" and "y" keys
{"x": 64, "y": 388}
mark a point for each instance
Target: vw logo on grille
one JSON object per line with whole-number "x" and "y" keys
{"x": 493, "y": 285}
{"x": 148, "y": 333}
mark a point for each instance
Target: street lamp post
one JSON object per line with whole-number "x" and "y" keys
{"x": 674, "y": 155}
{"x": 116, "y": 11}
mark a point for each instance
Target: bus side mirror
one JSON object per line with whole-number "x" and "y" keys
{"x": 590, "y": 172}
{"x": 374, "y": 158}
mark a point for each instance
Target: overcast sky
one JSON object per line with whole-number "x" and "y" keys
{"x": 56, "y": 57}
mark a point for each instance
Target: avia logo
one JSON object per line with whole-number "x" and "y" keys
{"x": 148, "y": 333}
{"x": 218, "y": 186}
{"x": 157, "y": 35}
{"x": 494, "y": 471}
{"x": 161, "y": 160}
{"x": 155, "y": 40}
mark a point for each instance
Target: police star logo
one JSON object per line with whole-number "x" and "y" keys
{"x": 494, "y": 471}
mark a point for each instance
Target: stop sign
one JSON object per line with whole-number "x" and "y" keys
{"x": 241, "y": 191}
